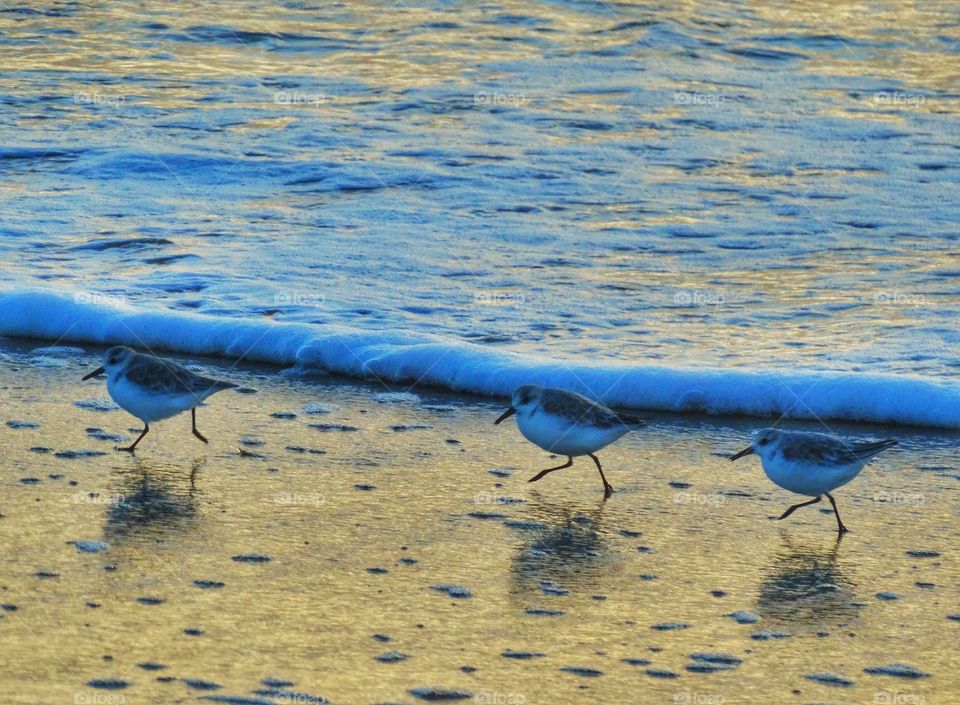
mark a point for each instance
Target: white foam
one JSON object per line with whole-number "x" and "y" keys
{"x": 394, "y": 356}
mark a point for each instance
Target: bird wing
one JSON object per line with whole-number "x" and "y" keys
{"x": 868, "y": 450}
{"x": 586, "y": 410}
{"x": 820, "y": 449}
{"x": 164, "y": 376}
{"x": 631, "y": 420}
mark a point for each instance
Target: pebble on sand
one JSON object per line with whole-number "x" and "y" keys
{"x": 89, "y": 545}
{"x": 326, "y": 427}
{"x": 198, "y": 684}
{"x": 458, "y": 591}
{"x": 715, "y": 657}
{"x": 582, "y": 671}
{"x": 108, "y": 683}
{"x": 539, "y": 612}
{"x": 391, "y": 657}
{"x": 898, "y": 670}
{"x": 97, "y": 404}
{"x": 438, "y": 694}
{"x": 661, "y": 673}
{"x": 251, "y": 558}
{"x": 521, "y": 655}
{"x": 767, "y": 634}
{"x": 276, "y": 683}
{"x": 72, "y": 454}
{"x": 830, "y": 679}
{"x": 669, "y": 626}
{"x": 208, "y": 584}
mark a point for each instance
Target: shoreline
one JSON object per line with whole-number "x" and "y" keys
{"x": 420, "y": 360}
{"x": 420, "y": 527}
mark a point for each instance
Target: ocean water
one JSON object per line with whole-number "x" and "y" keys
{"x": 663, "y": 188}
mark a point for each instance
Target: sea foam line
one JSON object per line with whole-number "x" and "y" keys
{"x": 412, "y": 358}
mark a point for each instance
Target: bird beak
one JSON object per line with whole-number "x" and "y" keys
{"x": 96, "y": 373}
{"x": 505, "y": 415}
{"x": 746, "y": 451}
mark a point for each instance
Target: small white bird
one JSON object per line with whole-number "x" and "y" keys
{"x": 567, "y": 423}
{"x": 811, "y": 464}
{"x": 153, "y": 389}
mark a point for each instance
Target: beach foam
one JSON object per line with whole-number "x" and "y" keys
{"x": 395, "y": 356}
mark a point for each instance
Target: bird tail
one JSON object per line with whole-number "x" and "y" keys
{"x": 207, "y": 387}
{"x": 632, "y": 421}
{"x": 868, "y": 450}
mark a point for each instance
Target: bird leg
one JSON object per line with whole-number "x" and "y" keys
{"x": 607, "y": 487}
{"x": 193, "y": 413}
{"x": 795, "y": 507}
{"x": 130, "y": 448}
{"x": 559, "y": 467}
{"x": 841, "y": 529}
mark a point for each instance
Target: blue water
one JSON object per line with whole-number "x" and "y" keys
{"x": 673, "y": 186}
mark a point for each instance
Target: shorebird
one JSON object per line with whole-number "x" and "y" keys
{"x": 153, "y": 389}
{"x": 567, "y": 423}
{"x": 811, "y": 464}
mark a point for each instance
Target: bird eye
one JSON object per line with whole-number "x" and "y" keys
{"x": 764, "y": 441}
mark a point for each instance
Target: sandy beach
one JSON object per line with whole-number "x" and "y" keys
{"x": 344, "y": 542}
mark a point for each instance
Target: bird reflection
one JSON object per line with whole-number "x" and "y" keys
{"x": 570, "y": 553}
{"x": 806, "y": 585}
{"x": 149, "y": 502}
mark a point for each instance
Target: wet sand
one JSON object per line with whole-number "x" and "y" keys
{"x": 341, "y": 542}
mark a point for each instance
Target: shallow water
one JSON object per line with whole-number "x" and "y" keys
{"x": 369, "y": 540}
{"x": 735, "y": 184}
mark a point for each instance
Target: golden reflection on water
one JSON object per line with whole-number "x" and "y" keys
{"x": 808, "y": 586}
{"x": 398, "y": 47}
